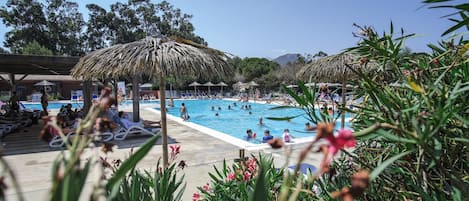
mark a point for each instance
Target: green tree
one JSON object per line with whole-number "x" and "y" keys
{"x": 124, "y": 24}
{"x": 34, "y": 48}
{"x": 320, "y": 54}
{"x": 174, "y": 22}
{"x": 256, "y": 67}
{"x": 65, "y": 24}
{"x": 28, "y": 23}
{"x": 134, "y": 20}
{"x": 234, "y": 62}
{"x": 96, "y": 28}
{"x": 55, "y": 25}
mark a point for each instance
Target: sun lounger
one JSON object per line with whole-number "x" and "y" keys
{"x": 6, "y": 129}
{"x": 123, "y": 132}
{"x": 20, "y": 122}
{"x": 57, "y": 141}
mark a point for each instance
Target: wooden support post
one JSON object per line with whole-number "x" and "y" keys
{"x": 87, "y": 95}
{"x": 136, "y": 99}
{"x": 163, "y": 120}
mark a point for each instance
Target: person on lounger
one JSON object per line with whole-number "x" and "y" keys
{"x": 126, "y": 123}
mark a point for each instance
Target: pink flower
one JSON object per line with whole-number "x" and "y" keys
{"x": 195, "y": 197}
{"x": 343, "y": 139}
{"x": 175, "y": 149}
{"x": 206, "y": 187}
{"x": 251, "y": 165}
{"x": 231, "y": 176}
{"x": 246, "y": 176}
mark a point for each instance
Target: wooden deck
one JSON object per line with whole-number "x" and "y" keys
{"x": 26, "y": 140}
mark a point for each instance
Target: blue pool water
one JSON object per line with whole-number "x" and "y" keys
{"x": 236, "y": 121}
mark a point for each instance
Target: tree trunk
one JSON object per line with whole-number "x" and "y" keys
{"x": 135, "y": 100}
{"x": 12, "y": 83}
{"x": 115, "y": 90}
{"x": 163, "y": 120}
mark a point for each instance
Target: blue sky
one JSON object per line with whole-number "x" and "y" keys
{"x": 269, "y": 28}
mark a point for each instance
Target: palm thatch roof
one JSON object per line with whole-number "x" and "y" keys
{"x": 152, "y": 56}
{"x": 331, "y": 68}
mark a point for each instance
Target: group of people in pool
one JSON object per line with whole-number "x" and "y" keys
{"x": 286, "y": 136}
{"x": 243, "y": 107}
{"x": 252, "y": 136}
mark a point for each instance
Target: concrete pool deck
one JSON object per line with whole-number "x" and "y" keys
{"x": 199, "y": 150}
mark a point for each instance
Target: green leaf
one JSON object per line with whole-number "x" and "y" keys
{"x": 455, "y": 27}
{"x": 283, "y": 118}
{"x": 282, "y": 107}
{"x": 130, "y": 163}
{"x": 386, "y": 163}
{"x": 395, "y": 138}
{"x": 464, "y": 140}
{"x": 464, "y": 6}
{"x": 435, "y": 1}
{"x": 456, "y": 194}
{"x": 295, "y": 96}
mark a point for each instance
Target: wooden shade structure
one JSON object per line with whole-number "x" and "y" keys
{"x": 154, "y": 57}
{"x": 195, "y": 84}
{"x": 221, "y": 84}
{"x": 334, "y": 68}
{"x": 208, "y": 84}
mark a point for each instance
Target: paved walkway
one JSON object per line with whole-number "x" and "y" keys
{"x": 199, "y": 150}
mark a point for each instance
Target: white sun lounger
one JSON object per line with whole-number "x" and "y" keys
{"x": 122, "y": 132}
{"x": 57, "y": 141}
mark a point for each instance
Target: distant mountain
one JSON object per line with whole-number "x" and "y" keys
{"x": 284, "y": 59}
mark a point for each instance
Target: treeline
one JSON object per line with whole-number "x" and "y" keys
{"x": 270, "y": 74}
{"x": 58, "y": 27}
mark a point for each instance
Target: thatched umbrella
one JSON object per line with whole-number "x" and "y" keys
{"x": 146, "y": 85}
{"x": 195, "y": 84}
{"x": 252, "y": 84}
{"x": 158, "y": 57}
{"x": 221, "y": 84}
{"x": 208, "y": 84}
{"x": 334, "y": 68}
{"x": 44, "y": 84}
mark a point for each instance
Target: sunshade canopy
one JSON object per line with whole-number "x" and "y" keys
{"x": 44, "y": 83}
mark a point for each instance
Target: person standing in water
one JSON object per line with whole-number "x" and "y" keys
{"x": 183, "y": 112}
{"x": 44, "y": 102}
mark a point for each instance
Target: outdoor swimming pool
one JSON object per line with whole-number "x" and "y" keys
{"x": 236, "y": 121}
